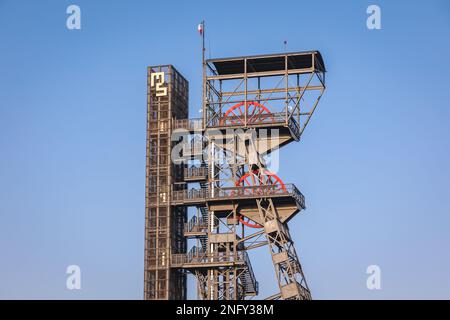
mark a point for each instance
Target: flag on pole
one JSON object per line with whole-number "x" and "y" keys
{"x": 200, "y": 28}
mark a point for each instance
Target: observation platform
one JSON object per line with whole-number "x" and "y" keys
{"x": 287, "y": 200}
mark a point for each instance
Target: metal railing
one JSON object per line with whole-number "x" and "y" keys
{"x": 192, "y": 173}
{"x": 196, "y": 225}
{"x": 189, "y": 124}
{"x": 258, "y": 119}
{"x": 195, "y": 147}
{"x": 191, "y": 195}
{"x": 198, "y": 256}
{"x": 299, "y": 197}
{"x": 294, "y": 127}
{"x": 240, "y": 192}
{"x": 232, "y": 121}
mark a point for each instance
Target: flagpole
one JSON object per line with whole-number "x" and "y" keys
{"x": 203, "y": 43}
{"x": 204, "y": 74}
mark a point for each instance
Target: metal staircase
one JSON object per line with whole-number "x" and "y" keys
{"x": 248, "y": 278}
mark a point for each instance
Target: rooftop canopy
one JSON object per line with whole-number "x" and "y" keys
{"x": 271, "y": 62}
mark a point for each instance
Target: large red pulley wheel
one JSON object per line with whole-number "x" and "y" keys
{"x": 256, "y": 178}
{"x": 256, "y": 112}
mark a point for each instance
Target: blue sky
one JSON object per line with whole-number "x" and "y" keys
{"x": 373, "y": 163}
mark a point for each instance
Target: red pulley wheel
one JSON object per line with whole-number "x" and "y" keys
{"x": 255, "y": 178}
{"x": 236, "y": 114}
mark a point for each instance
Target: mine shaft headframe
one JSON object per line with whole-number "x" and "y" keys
{"x": 263, "y": 90}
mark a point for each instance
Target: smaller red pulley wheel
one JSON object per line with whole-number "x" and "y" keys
{"x": 256, "y": 178}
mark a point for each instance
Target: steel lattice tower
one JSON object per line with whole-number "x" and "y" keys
{"x": 251, "y": 107}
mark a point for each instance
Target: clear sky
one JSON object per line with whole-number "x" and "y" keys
{"x": 373, "y": 163}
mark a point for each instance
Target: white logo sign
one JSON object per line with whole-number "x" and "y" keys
{"x": 157, "y": 79}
